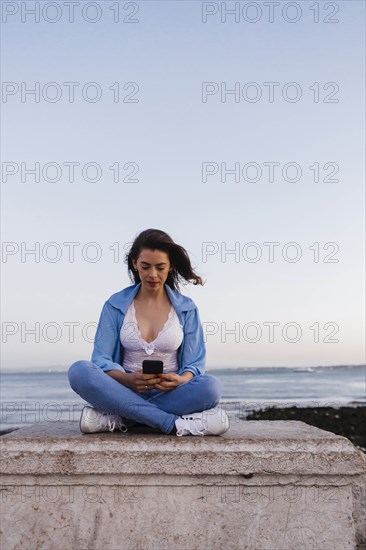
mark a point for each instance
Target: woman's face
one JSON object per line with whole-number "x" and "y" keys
{"x": 153, "y": 267}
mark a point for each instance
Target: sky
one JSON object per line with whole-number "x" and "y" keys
{"x": 241, "y": 135}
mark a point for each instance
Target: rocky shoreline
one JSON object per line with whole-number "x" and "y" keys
{"x": 347, "y": 421}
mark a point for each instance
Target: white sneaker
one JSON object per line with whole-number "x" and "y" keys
{"x": 210, "y": 422}
{"x": 93, "y": 421}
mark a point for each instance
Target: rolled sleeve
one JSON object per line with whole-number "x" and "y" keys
{"x": 194, "y": 370}
{"x": 106, "y": 342}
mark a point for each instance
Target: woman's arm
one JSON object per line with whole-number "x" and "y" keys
{"x": 106, "y": 340}
{"x": 193, "y": 353}
{"x": 121, "y": 377}
{"x": 187, "y": 375}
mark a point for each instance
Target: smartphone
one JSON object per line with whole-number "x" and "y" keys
{"x": 152, "y": 367}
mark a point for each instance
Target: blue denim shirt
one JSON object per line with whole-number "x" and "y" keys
{"x": 108, "y": 351}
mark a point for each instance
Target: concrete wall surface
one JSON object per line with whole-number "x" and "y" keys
{"x": 263, "y": 485}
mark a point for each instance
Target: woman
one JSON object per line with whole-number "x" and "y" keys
{"x": 150, "y": 320}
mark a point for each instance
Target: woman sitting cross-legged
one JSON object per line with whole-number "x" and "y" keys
{"x": 150, "y": 320}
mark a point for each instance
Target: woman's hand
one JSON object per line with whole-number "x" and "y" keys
{"x": 137, "y": 381}
{"x": 172, "y": 380}
{"x": 143, "y": 382}
{"x": 140, "y": 382}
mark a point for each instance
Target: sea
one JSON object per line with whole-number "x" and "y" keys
{"x": 33, "y": 397}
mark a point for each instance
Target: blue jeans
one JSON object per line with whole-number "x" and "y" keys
{"x": 153, "y": 407}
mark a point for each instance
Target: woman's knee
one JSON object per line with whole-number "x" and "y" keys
{"x": 77, "y": 371}
{"x": 213, "y": 387}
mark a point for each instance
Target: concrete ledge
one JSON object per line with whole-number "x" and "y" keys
{"x": 262, "y": 485}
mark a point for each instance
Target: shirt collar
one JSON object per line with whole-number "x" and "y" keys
{"x": 121, "y": 300}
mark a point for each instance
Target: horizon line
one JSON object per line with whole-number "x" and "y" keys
{"x": 30, "y": 370}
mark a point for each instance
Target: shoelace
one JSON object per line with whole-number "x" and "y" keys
{"x": 112, "y": 423}
{"x": 191, "y": 422}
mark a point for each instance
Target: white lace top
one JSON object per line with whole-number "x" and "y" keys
{"x": 164, "y": 347}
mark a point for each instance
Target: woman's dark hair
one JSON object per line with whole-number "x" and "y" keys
{"x": 154, "y": 239}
